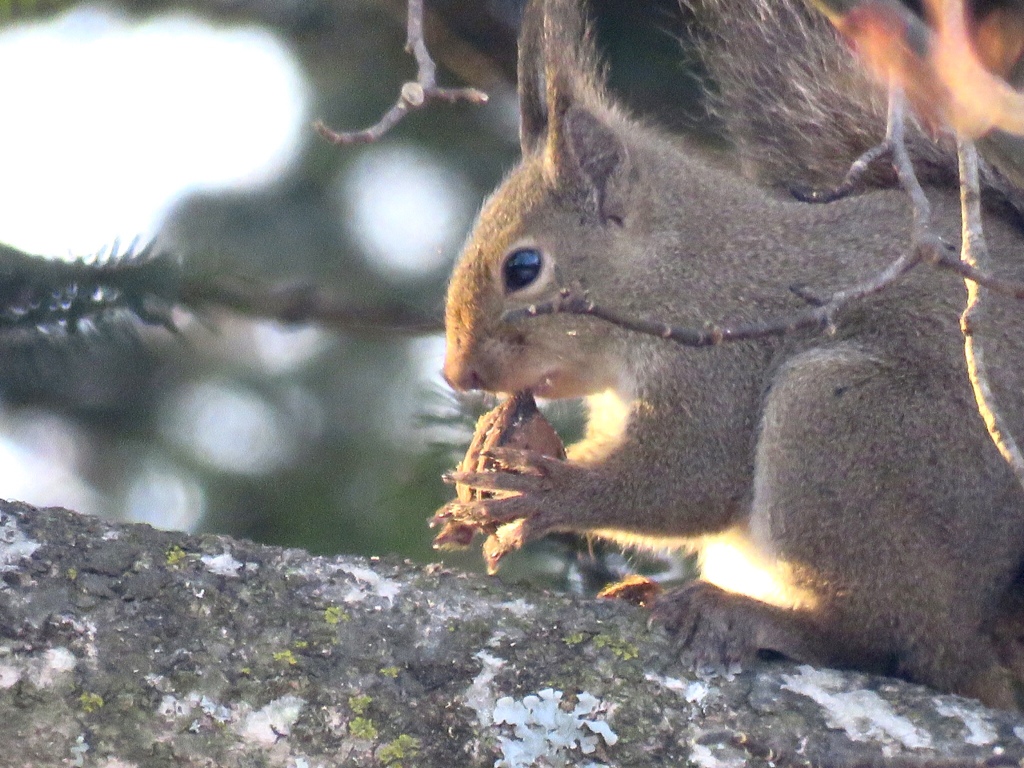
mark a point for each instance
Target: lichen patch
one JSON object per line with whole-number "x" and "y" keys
{"x": 980, "y": 730}
{"x": 541, "y": 730}
{"x": 863, "y": 715}
{"x": 519, "y": 607}
{"x": 78, "y": 750}
{"x": 222, "y": 565}
{"x": 303, "y": 761}
{"x": 42, "y": 671}
{"x": 368, "y": 582}
{"x": 268, "y": 725}
{"x": 693, "y": 691}
{"x": 480, "y": 696}
{"x": 193, "y": 705}
{"x": 15, "y": 546}
{"x": 703, "y": 756}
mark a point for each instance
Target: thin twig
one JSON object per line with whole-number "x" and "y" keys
{"x": 820, "y": 316}
{"x": 896, "y": 132}
{"x": 951, "y": 262}
{"x": 925, "y": 247}
{"x": 415, "y": 94}
{"x": 861, "y": 165}
{"x": 850, "y": 182}
{"x": 974, "y": 253}
{"x": 304, "y": 304}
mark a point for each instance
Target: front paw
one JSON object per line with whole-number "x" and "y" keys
{"x": 716, "y": 630}
{"x": 514, "y": 502}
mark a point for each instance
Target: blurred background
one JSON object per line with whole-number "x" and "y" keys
{"x": 189, "y": 124}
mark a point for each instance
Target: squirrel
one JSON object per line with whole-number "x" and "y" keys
{"x": 850, "y": 470}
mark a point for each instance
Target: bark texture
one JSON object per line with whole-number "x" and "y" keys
{"x": 126, "y": 646}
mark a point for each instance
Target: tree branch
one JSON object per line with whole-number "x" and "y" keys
{"x": 304, "y": 303}
{"x": 124, "y": 645}
{"x": 851, "y": 182}
{"x": 974, "y": 253}
{"x": 40, "y": 296}
{"x": 415, "y": 94}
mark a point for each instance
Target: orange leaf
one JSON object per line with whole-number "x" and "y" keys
{"x": 978, "y": 99}
{"x": 950, "y": 76}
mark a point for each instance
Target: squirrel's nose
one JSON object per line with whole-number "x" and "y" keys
{"x": 461, "y": 378}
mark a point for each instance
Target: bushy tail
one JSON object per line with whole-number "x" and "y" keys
{"x": 795, "y": 101}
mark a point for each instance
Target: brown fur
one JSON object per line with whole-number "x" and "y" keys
{"x": 853, "y": 469}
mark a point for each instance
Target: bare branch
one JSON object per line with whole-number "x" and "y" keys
{"x": 925, "y": 247}
{"x": 948, "y": 260}
{"x": 922, "y": 238}
{"x": 820, "y": 316}
{"x": 974, "y": 253}
{"x": 894, "y": 131}
{"x": 415, "y": 94}
{"x": 304, "y": 304}
{"x": 851, "y": 182}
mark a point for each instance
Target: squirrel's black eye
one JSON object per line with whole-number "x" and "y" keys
{"x": 521, "y": 268}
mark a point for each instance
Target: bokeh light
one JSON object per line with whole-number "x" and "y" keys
{"x": 230, "y": 428}
{"x": 407, "y": 209}
{"x": 108, "y": 121}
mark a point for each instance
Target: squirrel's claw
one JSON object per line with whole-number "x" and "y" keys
{"x": 453, "y": 535}
{"x": 507, "y": 538}
{"x": 713, "y": 628}
{"x": 516, "y": 471}
{"x": 486, "y": 514}
{"x": 502, "y": 482}
{"x": 508, "y": 523}
{"x": 500, "y": 540}
{"x": 525, "y": 462}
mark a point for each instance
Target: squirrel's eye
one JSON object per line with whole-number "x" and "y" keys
{"x": 521, "y": 268}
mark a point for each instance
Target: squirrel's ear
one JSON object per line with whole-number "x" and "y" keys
{"x": 558, "y": 67}
{"x": 533, "y": 105}
{"x": 561, "y": 95}
{"x": 592, "y": 159}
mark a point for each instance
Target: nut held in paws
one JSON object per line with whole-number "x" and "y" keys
{"x": 516, "y": 423}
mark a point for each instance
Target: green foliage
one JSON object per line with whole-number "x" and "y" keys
{"x": 85, "y": 344}
{"x": 38, "y": 295}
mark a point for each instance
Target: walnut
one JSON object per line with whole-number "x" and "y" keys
{"x": 516, "y": 423}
